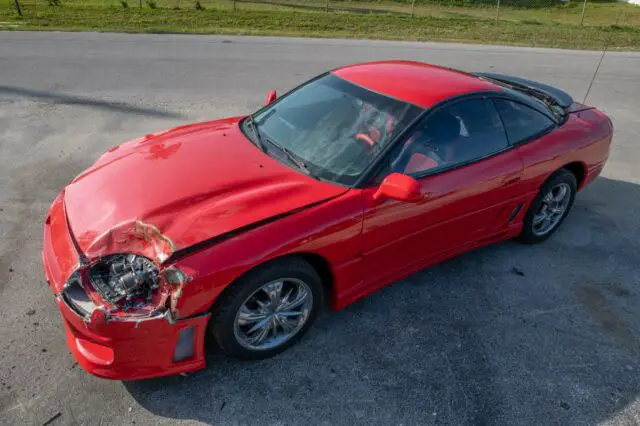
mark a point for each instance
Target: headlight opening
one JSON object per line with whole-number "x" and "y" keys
{"x": 127, "y": 281}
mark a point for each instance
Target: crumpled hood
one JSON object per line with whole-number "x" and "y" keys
{"x": 167, "y": 191}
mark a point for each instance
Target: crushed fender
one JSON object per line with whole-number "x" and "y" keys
{"x": 136, "y": 237}
{"x": 142, "y": 290}
{"x": 177, "y": 279}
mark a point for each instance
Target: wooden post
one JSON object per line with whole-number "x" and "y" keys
{"x": 413, "y": 6}
{"x": 498, "y": 12}
{"x": 140, "y": 4}
{"x": 234, "y": 5}
{"x": 18, "y": 7}
{"x": 327, "y": 6}
{"x": 584, "y": 7}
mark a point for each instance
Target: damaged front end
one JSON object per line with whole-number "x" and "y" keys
{"x": 120, "y": 309}
{"x": 122, "y": 300}
{"x": 124, "y": 287}
{"x": 131, "y": 285}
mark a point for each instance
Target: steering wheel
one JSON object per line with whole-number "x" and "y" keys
{"x": 377, "y": 132}
{"x": 366, "y": 141}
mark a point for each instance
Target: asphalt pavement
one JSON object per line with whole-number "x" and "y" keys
{"x": 509, "y": 334}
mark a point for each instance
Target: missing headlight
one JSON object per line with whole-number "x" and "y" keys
{"x": 76, "y": 297}
{"x": 125, "y": 279}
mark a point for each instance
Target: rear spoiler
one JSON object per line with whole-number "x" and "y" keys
{"x": 563, "y": 99}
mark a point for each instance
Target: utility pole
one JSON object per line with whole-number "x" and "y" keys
{"x": 584, "y": 7}
{"x": 413, "y": 6}
{"x": 498, "y": 12}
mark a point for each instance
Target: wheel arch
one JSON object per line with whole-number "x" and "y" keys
{"x": 323, "y": 268}
{"x": 319, "y": 263}
{"x": 560, "y": 176}
{"x": 579, "y": 170}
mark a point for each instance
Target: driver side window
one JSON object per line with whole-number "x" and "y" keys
{"x": 457, "y": 134}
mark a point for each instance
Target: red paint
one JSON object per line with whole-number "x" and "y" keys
{"x": 271, "y": 96}
{"x": 415, "y": 82}
{"x": 457, "y": 207}
{"x": 59, "y": 256}
{"x": 199, "y": 181}
{"x": 400, "y": 187}
{"x": 126, "y": 351}
{"x": 208, "y": 180}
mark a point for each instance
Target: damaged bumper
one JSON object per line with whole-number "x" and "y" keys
{"x": 115, "y": 347}
{"x": 127, "y": 350}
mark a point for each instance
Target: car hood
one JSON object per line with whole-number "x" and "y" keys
{"x": 170, "y": 190}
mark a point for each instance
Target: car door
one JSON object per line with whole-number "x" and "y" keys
{"x": 468, "y": 176}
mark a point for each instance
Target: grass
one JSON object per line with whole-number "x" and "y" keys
{"x": 615, "y": 24}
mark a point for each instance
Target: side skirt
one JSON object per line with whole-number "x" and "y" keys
{"x": 362, "y": 291}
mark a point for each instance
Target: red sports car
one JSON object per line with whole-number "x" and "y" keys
{"x": 241, "y": 229}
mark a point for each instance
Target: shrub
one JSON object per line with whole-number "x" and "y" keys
{"x": 199, "y": 5}
{"x": 124, "y": 4}
{"x": 152, "y": 4}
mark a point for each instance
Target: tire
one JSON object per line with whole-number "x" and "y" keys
{"x": 232, "y": 329}
{"x": 531, "y": 231}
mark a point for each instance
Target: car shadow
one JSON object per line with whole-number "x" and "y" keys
{"x": 508, "y": 334}
{"x": 60, "y": 98}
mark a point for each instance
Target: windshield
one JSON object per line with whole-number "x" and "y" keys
{"x": 330, "y": 128}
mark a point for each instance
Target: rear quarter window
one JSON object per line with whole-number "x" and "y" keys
{"x": 522, "y": 122}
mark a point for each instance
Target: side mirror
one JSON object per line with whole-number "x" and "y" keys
{"x": 271, "y": 96}
{"x": 399, "y": 187}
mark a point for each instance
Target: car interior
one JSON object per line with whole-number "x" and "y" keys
{"x": 453, "y": 135}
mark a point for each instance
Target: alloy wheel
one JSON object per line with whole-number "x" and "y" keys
{"x": 552, "y": 209}
{"x": 273, "y": 314}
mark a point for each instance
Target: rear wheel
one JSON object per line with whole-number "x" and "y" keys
{"x": 550, "y": 207}
{"x": 268, "y": 310}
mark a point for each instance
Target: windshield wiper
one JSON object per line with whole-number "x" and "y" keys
{"x": 293, "y": 158}
{"x": 254, "y": 126}
{"x": 290, "y": 155}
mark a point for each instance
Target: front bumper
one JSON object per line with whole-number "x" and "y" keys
{"x": 123, "y": 349}
{"x": 127, "y": 350}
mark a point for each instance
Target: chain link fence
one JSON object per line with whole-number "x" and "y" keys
{"x": 578, "y": 12}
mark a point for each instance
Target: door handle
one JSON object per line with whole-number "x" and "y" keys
{"x": 511, "y": 180}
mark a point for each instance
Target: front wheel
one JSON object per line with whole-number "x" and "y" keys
{"x": 550, "y": 207}
{"x": 267, "y": 310}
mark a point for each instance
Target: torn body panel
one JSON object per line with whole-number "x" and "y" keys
{"x": 129, "y": 285}
{"x": 132, "y": 296}
{"x": 133, "y": 236}
{"x": 143, "y": 340}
